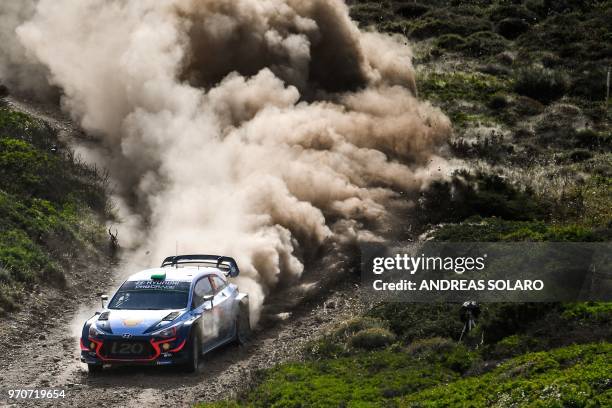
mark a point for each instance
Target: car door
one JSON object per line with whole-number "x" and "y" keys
{"x": 225, "y": 302}
{"x": 209, "y": 327}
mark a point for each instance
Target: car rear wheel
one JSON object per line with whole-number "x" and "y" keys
{"x": 94, "y": 369}
{"x": 193, "y": 353}
{"x": 243, "y": 327}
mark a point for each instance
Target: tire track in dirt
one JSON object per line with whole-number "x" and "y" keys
{"x": 51, "y": 359}
{"x": 39, "y": 345}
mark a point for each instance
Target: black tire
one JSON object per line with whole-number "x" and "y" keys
{"x": 243, "y": 327}
{"x": 94, "y": 369}
{"x": 193, "y": 352}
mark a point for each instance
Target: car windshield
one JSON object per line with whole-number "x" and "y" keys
{"x": 151, "y": 295}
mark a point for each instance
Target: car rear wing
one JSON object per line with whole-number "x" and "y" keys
{"x": 225, "y": 263}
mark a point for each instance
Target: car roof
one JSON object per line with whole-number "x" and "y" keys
{"x": 183, "y": 273}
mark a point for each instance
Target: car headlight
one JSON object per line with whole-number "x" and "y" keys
{"x": 93, "y": 331}
{"x": 166, "y": 333}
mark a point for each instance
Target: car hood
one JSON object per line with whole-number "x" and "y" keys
{"x": 134, "y": 321}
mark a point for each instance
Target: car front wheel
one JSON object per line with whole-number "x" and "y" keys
{"x": 94, "y": 369}
{"x": 193, "y": 354}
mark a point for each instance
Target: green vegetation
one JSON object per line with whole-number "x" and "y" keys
{"x": 485, "y": 207}
{"x": 523, "y": 83}
{"x": 473, "y": 87}
{"x": 542, "y": 84}
{"x": 46, "y": 202}
{"x": 480, "y": 194}
{"x": 496, "y": 229}
{"x": 426, "y": 366}
{"x": 436, "y": 372}
{"x": 365, "y": 379}
{"x": 576, "y": 376}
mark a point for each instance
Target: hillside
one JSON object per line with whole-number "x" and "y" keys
{"x": 524, "y": 83}
{"x": 52, "y": 208}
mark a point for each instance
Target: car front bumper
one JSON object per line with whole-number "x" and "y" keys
{"x": 159, "y": 351}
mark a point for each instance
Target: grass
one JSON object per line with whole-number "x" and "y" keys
{"x": 542, "y": 84}
{"x": 51, "y": 205}
{"x": 534, "y": 71}
{"x": 549, "y": 354}
{"x": 366, "y": 379}
{"x": 454, "y": 86}
{"x": 575, "y": 376}
{"x": 499, "y": 230}
{"x": 434, "y": 373}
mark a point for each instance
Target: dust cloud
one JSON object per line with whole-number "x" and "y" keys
{"x": 260, "y": 129}
{"x": 17, "y": 67}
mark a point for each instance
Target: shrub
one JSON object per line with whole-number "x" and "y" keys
{"x": 542, "y": 84}
{"x": 494, "y": 69}
{"x": 512, "y": 346}
{"x": 479, "y": 194}
{"x": 590, "y": 83}
{"x": 587, "y": 310}
{"x": 434, "y": 345}
{"x": 25, "y": 260}
{"x": 45, "y": 195}
{"x": 448, "y": 24}
{"x": 588, "y": 138}
{"x": 369, "y": 13}
{"x": 503, "y": 12}
{"x": 371, "y": 339}
{"x": 498, "y": 101}
{"x": 588, "y": 39}
{"x": 500, "y": 320}
{"x": 10, "y": 295}
{"x": 505, "y": 58}
{"x": 336, "y": 344}
{"x": 357, "y": 324}
{"x": 324, "y": 348}
{"x": 575, "y": 376}
{"x": 569, "y": 6}
{"x": 444, "y": 351}
{"x": 511, "y": 28}
{"x": 580, "y": 155}
{"x": 411, "y": 321}
{"x": 453, "y": 86}
{"x": 550, "y": 59}
{"x": 411, "y": 10}
{"x": 26, "y": 170}
{"x": 450, "y": 42}
{"x": 394, "y": 26}
{"x": 484, "y": 43}
{"x": 527, "y": 106}
{"x": 494, "y": 230}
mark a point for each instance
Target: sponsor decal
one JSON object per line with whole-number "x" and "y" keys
{"x": 131, "y": 322}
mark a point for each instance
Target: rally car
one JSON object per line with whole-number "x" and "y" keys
{"x": 169, "y": 315}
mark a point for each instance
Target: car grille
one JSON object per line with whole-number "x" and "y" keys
{"x": 127, "y": 349}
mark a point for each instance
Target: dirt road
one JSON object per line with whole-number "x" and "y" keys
{"x": 39, "y": 348}
{"x": 39, "y": 345}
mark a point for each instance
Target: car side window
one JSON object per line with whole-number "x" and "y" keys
{"x": 219, "y": 283}
{"x": 202, "y": 288}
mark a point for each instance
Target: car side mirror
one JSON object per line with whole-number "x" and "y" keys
{"x": 209, "y": 298}
{"x": 104, "y": 299}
